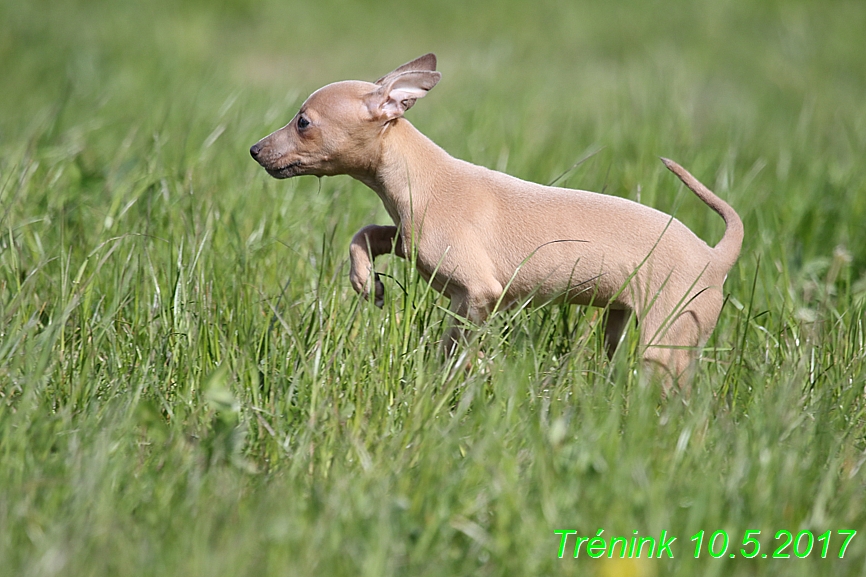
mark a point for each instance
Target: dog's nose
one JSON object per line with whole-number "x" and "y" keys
{"x": 255, "y": 149}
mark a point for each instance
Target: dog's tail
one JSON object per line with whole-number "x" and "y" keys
{"x": 728, "y": 249}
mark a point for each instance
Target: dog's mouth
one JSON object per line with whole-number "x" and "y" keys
{"x": 287, "y": 171}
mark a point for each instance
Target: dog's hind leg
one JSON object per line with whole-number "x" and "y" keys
{"x": 673, "y": 340}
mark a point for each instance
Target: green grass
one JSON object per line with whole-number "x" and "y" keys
{"x": 189, "y": 386}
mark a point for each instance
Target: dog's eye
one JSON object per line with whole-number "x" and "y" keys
{"x": 303, "y": 122}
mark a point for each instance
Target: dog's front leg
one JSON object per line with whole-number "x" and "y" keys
{"x": 368, "y": 243}
{"x": 456, "y": 327}
{"x": 470, "y": 308}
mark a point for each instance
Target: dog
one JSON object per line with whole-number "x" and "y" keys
{"x": 488, "y": 240}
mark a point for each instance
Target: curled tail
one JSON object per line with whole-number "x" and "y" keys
{"x": 727, "y": 249}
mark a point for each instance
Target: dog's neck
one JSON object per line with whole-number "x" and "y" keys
{"x": 407, "y": 171}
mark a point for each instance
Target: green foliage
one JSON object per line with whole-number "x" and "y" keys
{"x": 188, "y": 385}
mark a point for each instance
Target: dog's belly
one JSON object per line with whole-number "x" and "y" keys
{"x": 574, "y": 285}
{"x": 575, "y": 272}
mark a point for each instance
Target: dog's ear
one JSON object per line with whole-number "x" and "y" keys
{"x": 426, "y": 62}
{"x": 399, "y": 93}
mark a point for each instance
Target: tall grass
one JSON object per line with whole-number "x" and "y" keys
{"x": 189, "y": 386}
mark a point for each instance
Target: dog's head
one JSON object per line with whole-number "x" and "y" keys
{"x": 338, "y": 128}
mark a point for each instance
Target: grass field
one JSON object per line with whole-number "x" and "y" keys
{"x": 189, "y": 386}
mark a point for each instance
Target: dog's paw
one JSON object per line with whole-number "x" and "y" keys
{"x": 379, "y": 291}
{"x": 362, "y": 283}
{"x": 359, "y": 277}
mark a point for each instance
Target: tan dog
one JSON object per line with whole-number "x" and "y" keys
{"x": 488, "y": 240}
